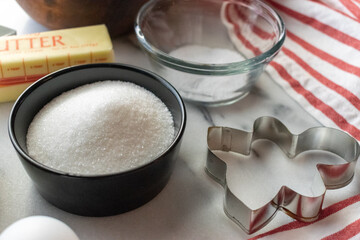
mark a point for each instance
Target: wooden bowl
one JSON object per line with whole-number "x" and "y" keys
{"x": 118, "y": 15}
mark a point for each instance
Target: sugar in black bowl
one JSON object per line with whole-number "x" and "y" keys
{"x": 55, "y": 151}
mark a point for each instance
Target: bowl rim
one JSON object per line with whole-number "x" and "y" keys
{"x": 54, "y": 75}
{"x": 211, "y": 69}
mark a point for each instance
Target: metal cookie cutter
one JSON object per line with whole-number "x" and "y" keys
{"x": 300, "y": 207}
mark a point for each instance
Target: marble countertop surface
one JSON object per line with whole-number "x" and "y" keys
{"x": 191, "y": 205}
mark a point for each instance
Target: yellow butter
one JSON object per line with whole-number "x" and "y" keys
{"x": 11, "y": 92}
{"x": 24, "y": 59}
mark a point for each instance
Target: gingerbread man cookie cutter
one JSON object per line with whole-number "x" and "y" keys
{"x": 294, "y": 204}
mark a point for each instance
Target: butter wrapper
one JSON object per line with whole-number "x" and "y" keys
{"x": 26, "y": 58}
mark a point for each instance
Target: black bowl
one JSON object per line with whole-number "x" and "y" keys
{"x": 96, "y": 195}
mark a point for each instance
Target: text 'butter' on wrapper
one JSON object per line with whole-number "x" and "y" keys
{"x": 24, "y": 59}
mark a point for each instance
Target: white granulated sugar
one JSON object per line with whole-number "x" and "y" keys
{"x": 206, "y": 55}
{"x": 100, "y": 128}
{"x": 206, "y": 88}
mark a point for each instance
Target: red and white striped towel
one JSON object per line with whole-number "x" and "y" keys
{"x": 339, "y": 221}
{"x": 318, "y": 66}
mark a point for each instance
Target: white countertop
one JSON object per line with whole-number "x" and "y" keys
{"x": 190, "y": 206}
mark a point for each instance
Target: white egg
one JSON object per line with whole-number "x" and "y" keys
{"x": 38, "y": 228}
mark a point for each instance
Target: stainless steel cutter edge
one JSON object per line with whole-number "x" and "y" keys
{"x": 300, "y": 207}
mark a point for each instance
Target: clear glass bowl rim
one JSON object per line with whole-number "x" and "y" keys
{"x": 211, "y": 69}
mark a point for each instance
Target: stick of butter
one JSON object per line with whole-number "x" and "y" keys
{"x": 24, "y": 59}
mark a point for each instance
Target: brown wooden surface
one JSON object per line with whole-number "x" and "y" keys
{"x": 118, "y": 15}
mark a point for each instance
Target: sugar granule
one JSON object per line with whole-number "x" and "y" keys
{"x": 100, "y": 128}
{"x": 206, "y": 87}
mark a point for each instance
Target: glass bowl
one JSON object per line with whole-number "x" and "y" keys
{"x": 212, "y": 51}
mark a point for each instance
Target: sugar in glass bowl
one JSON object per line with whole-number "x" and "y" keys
{"x": 212, "y": 51}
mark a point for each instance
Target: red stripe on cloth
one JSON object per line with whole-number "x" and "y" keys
{"x": 352, "y": 98}
{"x": 336, "y": 10}
{"x": 257, "y": 30}
{"x": 238, "y": 34}
{"x": 352, "y": 7}
{"x": 324, "y": 28}
{"x": 324, "y": 55}
{"x": 339, "y": 120}
{"x": 324, "y": 214}
{"x": 316, "y": 51}
{"x": 349, "y": 231}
